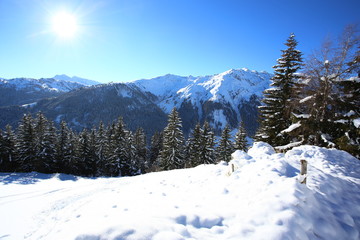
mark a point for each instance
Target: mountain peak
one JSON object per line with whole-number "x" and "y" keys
{"x": 76, "y": 79}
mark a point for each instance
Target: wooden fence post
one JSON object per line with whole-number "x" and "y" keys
{"x": 303, "y": 171}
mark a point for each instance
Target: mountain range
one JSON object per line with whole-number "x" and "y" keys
{"x": 220, "y": 99}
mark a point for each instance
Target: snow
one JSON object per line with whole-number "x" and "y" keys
{"x": 47, "y": 84}
{"x": 219, "y": 119}
{"x": 29, "y": 105}
{"x": 291, "y": 127}
{"x": 288, "y": 146}
{"x": 231, "y": 86}
{"x": 306, "y": 99}
{"x": 301, "y": 115}
{"x": 83, "y": 81}
{"x": 261, "y": 199}
{"x": 356, "y": 122}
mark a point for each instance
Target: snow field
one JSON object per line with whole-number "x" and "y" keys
{"x": 261, "y": 199}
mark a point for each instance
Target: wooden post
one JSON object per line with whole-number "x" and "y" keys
{"x": 303, "y": 171}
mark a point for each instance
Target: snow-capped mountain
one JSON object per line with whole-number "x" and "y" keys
{"x": 46, "y": 84}
{"x": 221, "y": 99}
{"x": 18, "y": 91}
{"x": 76, "y": 79}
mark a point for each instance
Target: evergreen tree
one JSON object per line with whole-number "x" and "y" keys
{"x": 172, "y": 154}
{"x": 207, "y": 145}
{"x": 155, "y": 149}
{"x": 45, "y": 142}
{"x": 26, "y": 144}
{"x": 102, "y": 150}
{"x": 140, "y": 149}
{"x": 8, "y": 161}
{"x": 119, "y": 161}
{"x": 63, "y": 149}
{"x": 86, "y": 154}
{"x": 74, "y": 146}
{"x": 225, "y": 148}
{"x": 194, "y": 153}
{"x": 275, "y": 113}
{"x": 240, "y": 138}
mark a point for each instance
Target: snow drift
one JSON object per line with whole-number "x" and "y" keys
{"x": 261, "y": 199}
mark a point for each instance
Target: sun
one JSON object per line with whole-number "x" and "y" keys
{"x": 64, "y": 25}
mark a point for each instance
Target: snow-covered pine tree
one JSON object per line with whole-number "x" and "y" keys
{"x": 155, "y": 149}
{"x": 63, "y": 149}
{"x": 278, "y": 102}
{"x": 172, "y": 154}
{"x": 225, "y": 148}
{"x": 45, "y": 145}
{"x": 102, "y": 150}
{"x": 240, "y": 138}
{"x": 8, "y": 161}
{"x": 119, "y": 161}
{"x": 348, "y": 104}
{"x": 140, "y": 149}
{"x": 86, "y": 154}
{"x": 207, "y": 144}
{"x": 25, "y": 144}
{"x": 73, "y": 153}
{"x": 194, "y": 153}
{"x": 348, "y": 118}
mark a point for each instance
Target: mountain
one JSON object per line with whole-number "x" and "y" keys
{"x": 76, "y": 79}
{"x": 261, "y": 199}
{"x": 220, "y": 99}
{"x": 87, "y": 107}
{"x": 19, "y": 91}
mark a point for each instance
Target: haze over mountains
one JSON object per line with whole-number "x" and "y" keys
{"x": 220, "y": 99}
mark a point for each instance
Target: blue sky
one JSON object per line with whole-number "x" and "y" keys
{"x": 124, "y": 40}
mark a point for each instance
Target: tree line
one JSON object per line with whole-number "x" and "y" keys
{"x": 315, "y": 102}
{"x": 38, "y": 145}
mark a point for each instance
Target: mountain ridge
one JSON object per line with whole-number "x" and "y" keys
{"x": 220, "y": 99}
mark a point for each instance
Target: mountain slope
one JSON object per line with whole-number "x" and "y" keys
{"x": 19, "y": 91}
{"x": 87, "y": 107}
{"x": 262, "y": 199}
{"x": 83, "y": 81}
{"x": 220, "y": 99}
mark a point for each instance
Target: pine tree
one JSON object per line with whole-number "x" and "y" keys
{"x": 86, "y": 154}
{"x": 140, "y": 150}
{"x": 45, "y": 142}
{"x": 120, "y": 160}
{"x": 63, "y": 149}
{"x": 172, "y": 154}
{"x": 155, "y": 149}
{"x": 275, "y": 113}
{"x": 8, "y": 161}
{"x": 102, "y": 150}
{"x": 240, "y": 138}
{"x": 25, "y": 144}
{"x": 207, "y": 145}
{"x": 194, "y": 153}
{"x": 225, "y": 148}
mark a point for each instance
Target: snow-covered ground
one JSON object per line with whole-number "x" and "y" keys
{"x": 262, "y": 199}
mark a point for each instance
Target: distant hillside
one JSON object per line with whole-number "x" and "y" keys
{"x": 20, "y": 91}
{"x": 76, "y": 79}
{"x": 220, "y": 99}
